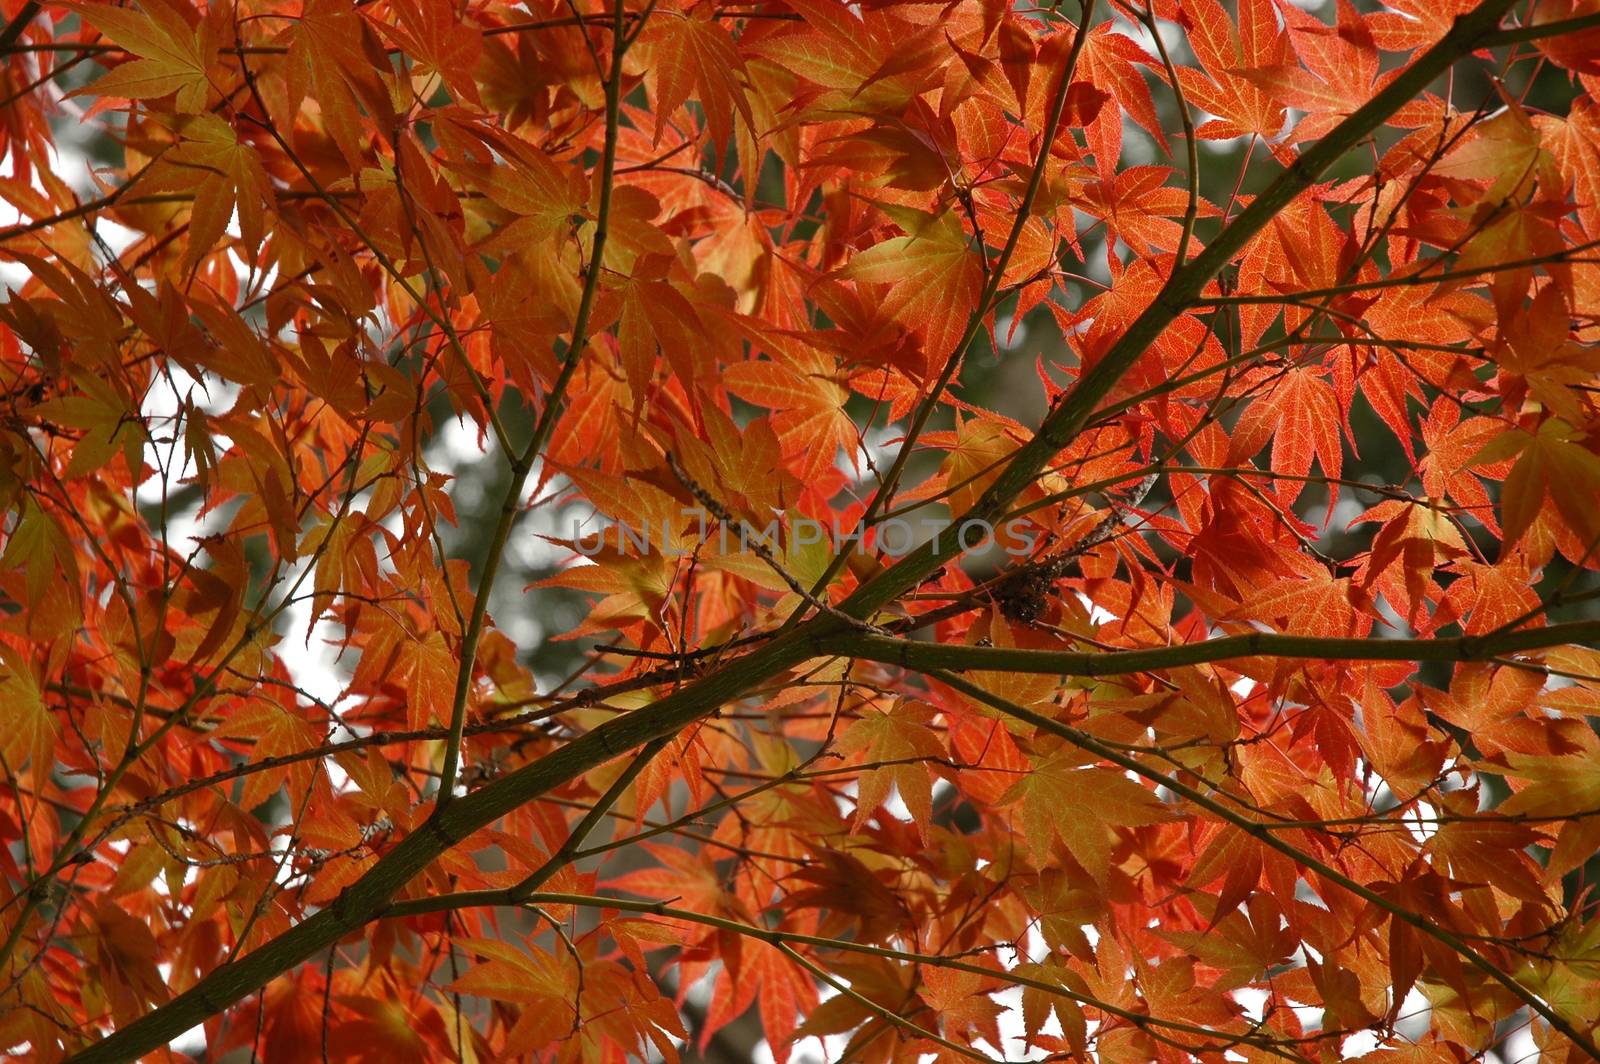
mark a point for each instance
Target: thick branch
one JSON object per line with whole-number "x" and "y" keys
{"x": 1075, "y": 409}
{"x": 923, "y": 656}
{"x": 14, "y": 28}
{"x": 366, "y": 898}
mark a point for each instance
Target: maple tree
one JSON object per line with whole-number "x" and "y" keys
{"x": 1258, "y": 341}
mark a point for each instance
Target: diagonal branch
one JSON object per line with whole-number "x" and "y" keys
{"x": 14, "y": 28}
{"x": 1078, "y": 405}
{"x": 366, "y": 898}
{"x": 569, "y": 849}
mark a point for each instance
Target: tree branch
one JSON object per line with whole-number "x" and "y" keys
{"x": 569, "y": 849}
{"x": 14, "y": 28}
{"x": 369, "y": 896}
{"x": 522, "y": 464}
{"x": 1077, "y": 406}
{"x": 1543, "y": 30}
{"x": 923, "y": 656}
{"x": 986, "y": 299}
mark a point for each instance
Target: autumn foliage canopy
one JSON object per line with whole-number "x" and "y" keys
{"x": 480, "y": 488}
